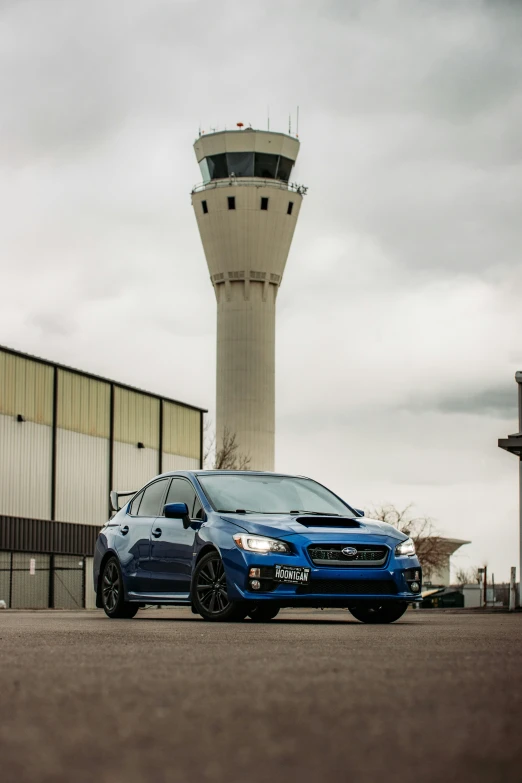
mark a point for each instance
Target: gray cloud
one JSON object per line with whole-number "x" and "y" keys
{"x": 499, "y": 402}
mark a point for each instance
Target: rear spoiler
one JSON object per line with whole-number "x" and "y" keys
{"x": 115, "y": 498}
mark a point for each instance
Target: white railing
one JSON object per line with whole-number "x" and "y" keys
{"x": 257, "y": 181}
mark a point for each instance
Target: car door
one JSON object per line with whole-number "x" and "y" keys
{"x": 133, "y": 541}
{"x": 172, "y": 545}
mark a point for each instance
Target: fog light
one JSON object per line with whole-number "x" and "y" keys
{"x": 414, "y": 587}
{"x": 254, "y": 572}
{"x": 255, "y": 584}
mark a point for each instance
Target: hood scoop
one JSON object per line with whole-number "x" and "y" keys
{"x": 328, "y": 522}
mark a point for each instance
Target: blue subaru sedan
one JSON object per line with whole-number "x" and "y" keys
{"x": 237, "y": 544}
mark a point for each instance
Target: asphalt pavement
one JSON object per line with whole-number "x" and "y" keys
{"x": 312, "y": 696}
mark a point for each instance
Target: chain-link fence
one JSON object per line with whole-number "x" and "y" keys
{"x": 36, "y": 581}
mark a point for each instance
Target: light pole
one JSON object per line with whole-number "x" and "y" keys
{"x": 513, "y": 444}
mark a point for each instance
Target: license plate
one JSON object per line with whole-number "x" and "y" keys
{"x": 293, "y": 575}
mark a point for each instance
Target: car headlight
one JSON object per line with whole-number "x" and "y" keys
{"x": 405, "y": 548}
{"x": 260, "y": 544}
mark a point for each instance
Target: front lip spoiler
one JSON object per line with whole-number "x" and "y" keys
{"x": 334, "y": 598}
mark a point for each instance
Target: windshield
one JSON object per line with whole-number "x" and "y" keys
{"x": 270, "y": 495}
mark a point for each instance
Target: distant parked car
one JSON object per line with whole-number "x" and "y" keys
{"x": 236, "y": 544}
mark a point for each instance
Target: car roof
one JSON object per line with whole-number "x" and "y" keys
{"x": 203, "y": 472}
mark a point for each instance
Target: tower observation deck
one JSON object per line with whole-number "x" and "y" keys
{"x": 246, "y": 210}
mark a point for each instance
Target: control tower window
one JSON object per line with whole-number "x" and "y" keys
{"x": 284, "y": 169}
{"x": 241, "y": 164}
{"x": 217, "y": 166}
{"x": 205, "y": 173}
{"x": 290, "y": 207}
{"x": 264, "y": 202}
{"x": 265, "y": 165}
{"x": 246, "y": 164}
{"x": 204, "y": 207}
{"x": 231, "y": 202}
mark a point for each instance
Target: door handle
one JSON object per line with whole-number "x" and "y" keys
{"x": 124, "y": 530}
{"x": 157, "y": 533}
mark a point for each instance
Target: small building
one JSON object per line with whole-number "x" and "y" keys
{"x": 441, "y": 576}
{"x": 67, "y": 438}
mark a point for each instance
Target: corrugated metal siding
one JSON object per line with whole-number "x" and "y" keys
{"x": 30, "y": 591}
{"x": 175, "y": 462}
{"x": 181, "y": 431}
{"x": 133, "y": 467}
{"x": 25, "y": 468}
{"x": 5, "y": 577}
{"x": 83, "y": 404}
{"x": 90, "y": 595}
{"x": 68, "y": 582}
{"x": 136, "y": 418}
{"x": 37, "y": 535}
{"x": 82, "y": 478}
{"x": 26, "y": 387}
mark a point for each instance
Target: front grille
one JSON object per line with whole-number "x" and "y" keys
{"x": 348, "y": 587}
{"x": 332, "y": 555}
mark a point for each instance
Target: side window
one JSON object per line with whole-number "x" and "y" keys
{"x": 150, "y": 505}
{"x": 198, "y": 509}
{"x": 182, "y": 491}
{"x": 135, "y": 504}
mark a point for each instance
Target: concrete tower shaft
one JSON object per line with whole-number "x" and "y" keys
{"x": 246, "y": 213}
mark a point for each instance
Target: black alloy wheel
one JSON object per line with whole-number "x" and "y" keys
{"x": 209, "y": 592}
{"x": 388, "y": 612}
{"x": 263, "y": 612}
{"x": 112, "y": 593}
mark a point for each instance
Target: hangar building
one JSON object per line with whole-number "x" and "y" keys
{"x": 66, "y": 439}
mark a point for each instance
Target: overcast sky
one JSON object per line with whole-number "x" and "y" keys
{"x": 399, "y": 318}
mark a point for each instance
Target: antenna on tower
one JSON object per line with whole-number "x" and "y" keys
{"x": 289, "y": 124}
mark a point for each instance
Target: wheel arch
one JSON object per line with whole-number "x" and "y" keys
{"x": 110, "y": 553}
{"x": 205, "y": 550}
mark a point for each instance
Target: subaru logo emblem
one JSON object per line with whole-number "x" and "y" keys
{"x": 349, "y": 551}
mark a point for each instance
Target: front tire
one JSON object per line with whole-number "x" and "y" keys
{"x": 209, "y": 592}
{"x": 379, "y": 613}
{"x": 112, "y": 592}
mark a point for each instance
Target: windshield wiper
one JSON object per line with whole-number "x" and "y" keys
{"x": 240, "y": 511}
{"x": 316, "y": 513}
{"x": 282, "y": 513}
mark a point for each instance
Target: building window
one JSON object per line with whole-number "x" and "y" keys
{"x": 265, "y": 165}
{"x": 204, "y": 207}
{"x": 231, "y": 202}
{"x": 264, "y": 203}
{"x": 246, "y": 164}
{"x": 290, "y": 207}
{"x": 284, "y": 169}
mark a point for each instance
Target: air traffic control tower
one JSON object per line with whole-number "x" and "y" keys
{"x": 246, "y": 211}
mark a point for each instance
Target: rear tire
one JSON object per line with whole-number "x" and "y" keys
{"x": 263, "y": 612}
{"x": 209, "y": 592}
{"x": 112, "y": 592}
{"x": 379, "y": 613}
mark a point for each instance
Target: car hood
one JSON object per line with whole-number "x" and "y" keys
{"x": 285, "y": 525}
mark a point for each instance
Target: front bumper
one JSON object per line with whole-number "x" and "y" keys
{"x": 327, "y": 586}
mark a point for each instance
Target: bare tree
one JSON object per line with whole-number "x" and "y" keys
{"x": 468, "y": 576}
{"x": 209, "y": 444}
{"x": 431, "y": 548}
{"x": 225, "y": 455}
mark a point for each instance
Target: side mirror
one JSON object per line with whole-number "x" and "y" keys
{"x": 176, "y": 510}
{"x": 359, "y": 511}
